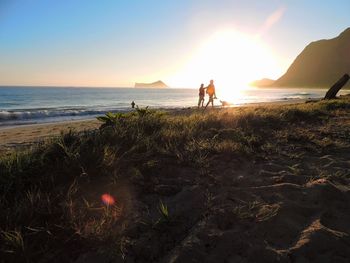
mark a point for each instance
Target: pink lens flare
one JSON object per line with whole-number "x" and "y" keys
{"x": 107, "y": 199}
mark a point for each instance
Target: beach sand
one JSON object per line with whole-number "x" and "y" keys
{"x": 24, "y": 136}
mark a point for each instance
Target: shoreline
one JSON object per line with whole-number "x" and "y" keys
{"x": 23, "y": 136}
{"x": 35, "y": 114}
{"x": 175, "y": 109}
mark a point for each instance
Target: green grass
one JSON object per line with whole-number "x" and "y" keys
{"x": 46, "y": 211}
{"x": 164, "y": 213}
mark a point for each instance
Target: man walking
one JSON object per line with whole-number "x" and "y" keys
{"x": 211, "y": 93}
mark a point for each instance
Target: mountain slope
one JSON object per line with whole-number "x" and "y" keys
{"x": 320, "y": 64}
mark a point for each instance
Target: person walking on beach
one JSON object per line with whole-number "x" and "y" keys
{"x": 133, "y": 104}
{"x": 211, "y": 93}
{"x": 201, "y": 96}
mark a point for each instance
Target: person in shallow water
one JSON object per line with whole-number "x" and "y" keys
{"x": 133, "y": 104}
{"x": 211, "y": 93}
{"x": 201, "y": 95}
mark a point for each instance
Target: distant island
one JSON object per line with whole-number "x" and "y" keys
{"x": 155, "y": 85}
{"x": 262, "y": 82}
{"x": 320, "y": 64}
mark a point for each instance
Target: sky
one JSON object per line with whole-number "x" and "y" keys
{"x": 110, "y": 43}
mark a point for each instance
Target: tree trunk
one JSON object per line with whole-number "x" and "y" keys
{"x": 332, "y": 92}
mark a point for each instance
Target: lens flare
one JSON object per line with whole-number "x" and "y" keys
{"x": 107, "y": 199}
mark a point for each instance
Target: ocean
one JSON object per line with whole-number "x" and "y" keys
{"x": 31, "y": 105}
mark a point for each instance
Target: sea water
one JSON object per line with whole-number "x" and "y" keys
{"x": 30, "y": 105}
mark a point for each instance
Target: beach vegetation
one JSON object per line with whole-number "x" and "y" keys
{"x": 50, "y": 193}
{"x": 164, "y": 212}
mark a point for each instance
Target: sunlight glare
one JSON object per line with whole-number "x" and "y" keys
{"x": 232, "y": 59}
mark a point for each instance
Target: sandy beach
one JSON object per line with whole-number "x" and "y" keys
{"x": 23, "y": 136}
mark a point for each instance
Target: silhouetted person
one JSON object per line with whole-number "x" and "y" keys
{"x": 201, "y": 95}
{"x": 133, "y": 104}
{"x": 211, "y": 93}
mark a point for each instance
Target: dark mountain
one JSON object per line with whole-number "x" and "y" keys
{"x": 320, "y": 64}
{"x": 155, "y": 85}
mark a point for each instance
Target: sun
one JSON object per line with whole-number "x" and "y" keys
{"x": 233, "y": 59}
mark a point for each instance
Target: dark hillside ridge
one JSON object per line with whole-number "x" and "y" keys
{"x": 320, "y": 64}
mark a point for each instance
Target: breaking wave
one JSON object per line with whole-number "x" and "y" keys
{"x": 50, "y": 113}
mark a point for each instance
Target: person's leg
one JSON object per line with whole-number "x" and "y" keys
{"x": 207, "y": 104}
{"x": 209, "y": 101}
{"x": 200, "y": 101}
